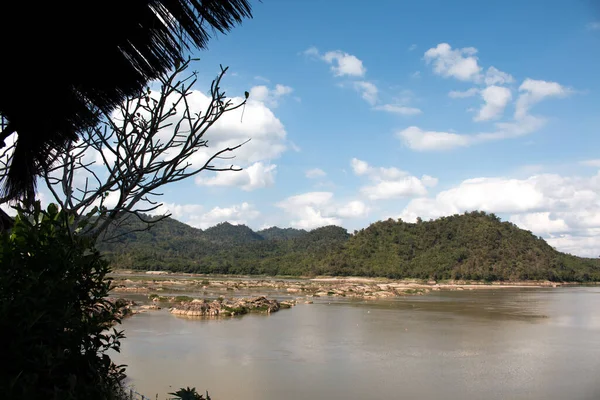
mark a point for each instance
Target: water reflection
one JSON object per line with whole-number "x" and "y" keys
{"x": 492, "y": 344}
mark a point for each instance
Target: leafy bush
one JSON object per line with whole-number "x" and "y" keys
{"x": 189, "y": 394}
{"x": 54, "y": 314}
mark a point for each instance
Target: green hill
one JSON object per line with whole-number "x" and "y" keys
{"x": 275, "y": 233}
{"x": 472, "y": 246}
{"x": 226, "y": 233}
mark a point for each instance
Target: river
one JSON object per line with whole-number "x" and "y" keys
{"x": 482, "y": 344}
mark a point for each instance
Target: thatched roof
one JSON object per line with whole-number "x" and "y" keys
{"x": 6, "y": 222}
{"x": 59, "y": 60}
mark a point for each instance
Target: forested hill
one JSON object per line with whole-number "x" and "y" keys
{"x": 474, "y": 246}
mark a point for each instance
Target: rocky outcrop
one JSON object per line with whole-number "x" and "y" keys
{"x": 227, "y": 308}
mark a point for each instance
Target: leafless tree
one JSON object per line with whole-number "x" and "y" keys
{"x": 145, "y": 144}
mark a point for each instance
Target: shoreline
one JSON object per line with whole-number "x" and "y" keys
{"x": 409, "y": 282}
{"x": 303, "y": 289}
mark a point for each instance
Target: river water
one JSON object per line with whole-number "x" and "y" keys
{"x": 481, "y": 344}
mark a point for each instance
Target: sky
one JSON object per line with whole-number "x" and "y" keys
{"x": 362, "y": 111}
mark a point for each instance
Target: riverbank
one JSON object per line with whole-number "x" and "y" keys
{"x": 302, "y": 288}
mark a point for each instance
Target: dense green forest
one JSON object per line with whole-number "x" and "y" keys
{"x": 473, "y": 246}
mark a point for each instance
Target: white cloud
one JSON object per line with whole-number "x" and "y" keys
{"x": 315, "y": 173}
{"x": 458, "y": 63}
{"x": 584, "y": 246}
{"x": 238, "y": 215}
{"x": 417, "y": 139}
{"x": 591, "y": 163}
{"x": 262, "y": 79}
{"x": 257, "y": 175}
{"x": 412, "y": 47}
{"x": 259, "y": 124}
{"x": 389, "y": 183}
{"x": 564, "y": 210}
{"x": 311, "y": 52}
{"x": 542, "y": 223}
{"x": 496, "y": 98}
{"x": 415, "y": 75}
{"x": 308, "y": 210}
{"x": 398, "y": 109}
{"x": 593, "y": 26}
{"x": 314, "y": 209}
{"x": 485, "y": 194}
{"x": 344, "y": 64}
{"x": 271, "y": 97}
{"x": 367, "y": 90}
{"x": 534, "y": 91}
{"x": 353, "y": 209}
{"x": 429, "y": 181}
{"x": 181, "y": 212}
{"x": 457, "y": 94}
{"x": 494, "y": 76}
{"x": 193, "y": 215}
{"x": 359, "y": 167}
{"x": 462, "y": 64}
{"x": 409, "y": 186}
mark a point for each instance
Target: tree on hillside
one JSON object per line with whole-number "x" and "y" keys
{"x": 94, "y": 55}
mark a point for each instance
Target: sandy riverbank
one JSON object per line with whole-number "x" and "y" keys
{"x": 305, "y": 288}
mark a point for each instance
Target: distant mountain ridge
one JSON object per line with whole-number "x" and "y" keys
{"x": 472, "y": 246}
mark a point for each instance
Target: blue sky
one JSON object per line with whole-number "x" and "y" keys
{"x": 363, "y": 111}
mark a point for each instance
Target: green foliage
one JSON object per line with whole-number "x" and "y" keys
{"x": 189, "y": 394}
{"x": 54, "y": 316}
{"x": 275, "y": 233}
{"x": 472, "y": 246}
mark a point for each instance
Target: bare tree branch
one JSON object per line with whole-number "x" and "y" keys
{"x": 145, "y": 144}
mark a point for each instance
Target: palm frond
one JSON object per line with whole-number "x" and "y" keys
{"x": 59, "y": 61}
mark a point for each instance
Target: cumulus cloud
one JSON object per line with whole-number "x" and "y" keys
{"x": 462, "y": 64}
{"x": 368, "y": 91}
{"x": 533, "y": 91}
{"x": 390, "y": 183}
{"x": 496, "y": 98}
{"x": 271, "y": 97}
{"x": 344, "y": 64}
{"x": 409, "y": 186}
{"x": 359, "y": 167}
{"x": 315, "y": 173}
{"x": 457, "y": 63}
{"x": 240, "y": 214}
{"x": 398, "y": 109}
{"x": 268, "y": 138}
{"x": 564, "y": 210}
{"x": 542, "y": 223}
{"x": 353, "y": 209}
{"x": 257, "y": 175}
{"x": 417, "y": 139}
{"x": 311, "y": 52}
{"x": 314, "y": 209}
{"x": 457, "y": 94}
{"x": 494, "y": 76}
{"x": 194, "y": 215}
{"x": 307, "y": 210}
